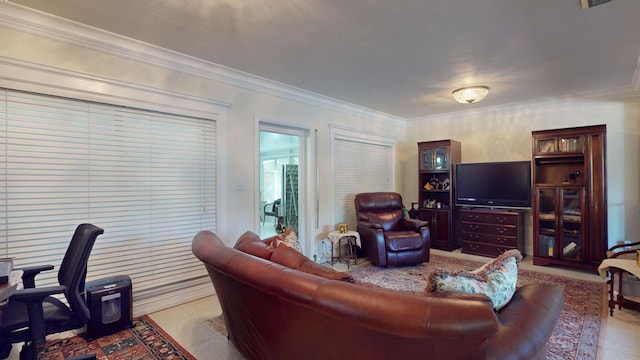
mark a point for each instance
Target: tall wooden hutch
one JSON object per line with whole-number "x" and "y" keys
{"x": 436, "y": 181}
{"x": 570, "y": 200}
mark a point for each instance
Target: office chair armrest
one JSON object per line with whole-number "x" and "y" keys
{"x": 29, "y": 274}
{"x": 36, "y": 294}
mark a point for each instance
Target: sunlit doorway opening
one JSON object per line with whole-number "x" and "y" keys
{"x": 280, "y": 171}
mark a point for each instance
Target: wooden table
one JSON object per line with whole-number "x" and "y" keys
{"x": 336, "y": 237}
{"x": 618, "y": 268}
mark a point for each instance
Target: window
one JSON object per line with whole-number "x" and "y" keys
{"x": 360, "y": 166}
{"x": 147, "y": 178}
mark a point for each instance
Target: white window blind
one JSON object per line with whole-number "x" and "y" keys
{"x": 360, "y": 167}
{"x": 147, "y": 178}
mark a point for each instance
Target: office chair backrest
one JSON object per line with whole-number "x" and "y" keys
{"x": 73, "y": 270}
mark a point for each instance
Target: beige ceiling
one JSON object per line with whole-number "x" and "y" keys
{"x": 400, "y": 57}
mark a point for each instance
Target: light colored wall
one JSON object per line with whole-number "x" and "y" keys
{"x": 70, "y": 60}
{"x": 504, "y": 134}
{"x": 51, "y": 56}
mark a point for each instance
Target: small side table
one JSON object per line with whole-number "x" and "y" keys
{"x": 618, "y": 267}
{"x": 353, "y": 240}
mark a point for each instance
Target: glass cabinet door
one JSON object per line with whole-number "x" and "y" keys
{"x": 441, "y": 158}
{"x": 426, "y": 159}
{"x": 546, "y": 198}
{"x": 570, "y": 144}
{"x": 571, "y": 224}
{"x": 546, "y": 146}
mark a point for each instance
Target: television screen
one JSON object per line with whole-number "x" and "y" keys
{"x": 494, "y": 184}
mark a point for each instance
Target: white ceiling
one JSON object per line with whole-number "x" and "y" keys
{"x": 399, "y": 57}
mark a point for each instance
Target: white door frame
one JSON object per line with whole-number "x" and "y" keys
{"x": 305, "y": 178}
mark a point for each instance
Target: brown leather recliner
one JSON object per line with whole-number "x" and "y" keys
{"x": 388, "y": 238}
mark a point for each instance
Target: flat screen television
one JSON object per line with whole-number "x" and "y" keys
{"x": 494, "y": 184}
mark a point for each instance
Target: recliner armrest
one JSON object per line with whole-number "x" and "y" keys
{"x": 413, "y": 224}
{"x": 29, "y": 273}
{"x": 370, "y": 225}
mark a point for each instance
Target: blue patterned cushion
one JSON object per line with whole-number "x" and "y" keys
{"x": 496, "y": 279}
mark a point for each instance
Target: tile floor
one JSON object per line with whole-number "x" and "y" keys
{"x": 186, "y": 324}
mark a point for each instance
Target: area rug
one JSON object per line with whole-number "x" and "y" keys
{"x": 577, "y": 332}
{"x": 145, "y": 340}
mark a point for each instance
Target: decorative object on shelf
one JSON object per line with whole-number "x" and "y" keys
{"x": 470, "y": 94}
{"x": 413, "y": 213}
{"x": 342, "y": 228}
{"x": 445, "y": 184}
{"x": 435, "y": 183}
{"x": 428, "y": 186}
{"x": 431, "y": 203}
{"x": 439, "y": 205}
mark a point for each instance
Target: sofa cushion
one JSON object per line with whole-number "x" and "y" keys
{"x": 250, "y": 243}
{"x": 496, "y": 279}
{"x": 289, "y": 257}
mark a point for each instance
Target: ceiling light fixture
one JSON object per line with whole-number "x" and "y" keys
{"x": 470, "y": 94}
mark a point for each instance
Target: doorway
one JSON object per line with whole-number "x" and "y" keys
{"x": 281, "y": 171}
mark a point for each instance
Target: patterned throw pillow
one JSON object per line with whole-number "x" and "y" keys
{"x": 496, "y": 279}
{"x": 289, "y": 238}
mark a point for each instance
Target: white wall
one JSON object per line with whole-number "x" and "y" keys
{"x": 51, "y": 56}
{"x": 504, "y": 134}
{"x": 45, "y": 54}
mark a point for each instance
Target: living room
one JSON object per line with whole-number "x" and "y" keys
{"x": 50, "y": 55}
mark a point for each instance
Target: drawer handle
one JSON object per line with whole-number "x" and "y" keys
{"x": 474, "y": 227}
{"x": 500, "y": 230}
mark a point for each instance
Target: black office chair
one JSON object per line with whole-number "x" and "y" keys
{"x": 32, "y": 313}
{"x": 274, "y": 210}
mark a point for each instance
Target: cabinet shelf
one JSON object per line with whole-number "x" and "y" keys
{"x": 436, "y": 161}
{"x": 568, "y": 228}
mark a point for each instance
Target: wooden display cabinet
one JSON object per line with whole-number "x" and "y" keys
{"x": 436, "y": 181}
{"x": 490, "y": 232}
{"x": 570, "y": 203}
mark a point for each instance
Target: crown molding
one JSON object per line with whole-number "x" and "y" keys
{"x": 56, "y": 28}
{"x": 26, "y": 76}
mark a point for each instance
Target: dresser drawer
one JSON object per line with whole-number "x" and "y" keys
{"x": 483, "y": 249}
{"x": 492, "y": 229}
{"x": 500, "y": 240}
{"x": 485, "y": 217}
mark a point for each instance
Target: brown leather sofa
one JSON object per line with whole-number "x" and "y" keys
{"x": 277, "y": 312}
{"x": 388, "y": 238}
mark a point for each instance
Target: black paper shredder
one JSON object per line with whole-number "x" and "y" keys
{"x": 110, "y": 305}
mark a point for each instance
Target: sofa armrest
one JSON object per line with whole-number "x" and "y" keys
{"x": 532, "y": 314}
